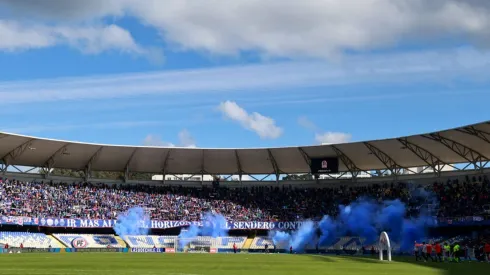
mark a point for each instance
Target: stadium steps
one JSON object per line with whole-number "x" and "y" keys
{"x": 55, "y": 240}
{"x": 120, "y": 241}
{"x": 247, "y": 244}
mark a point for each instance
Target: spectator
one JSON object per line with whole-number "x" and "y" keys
{"x": 101, "y": 201}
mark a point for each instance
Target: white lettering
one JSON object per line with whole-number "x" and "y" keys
{"x": 266, "y": 225}
{"x": 227, "y": 226}
{"x": 71, "y": 223}
{"x": 271, "y": 225}
{"x": 247, "y": 225}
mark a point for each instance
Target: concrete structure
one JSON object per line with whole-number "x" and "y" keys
{"x": 467, "y": 145}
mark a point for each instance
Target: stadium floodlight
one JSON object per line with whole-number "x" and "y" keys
{"x": 384, "y": 244}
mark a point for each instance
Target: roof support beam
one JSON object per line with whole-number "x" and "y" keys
{"x": 239, "y": 166}
{"x": 470, "y": 130}
{"x": 274, "y": 165}
{"x": 92, "y": 160}
{"x": 51, "y": 161}
{"x": 387, "y": 161}
{"x": 306, "y": 157}
{"x": 128, "y": 163}
{"x": 165, "y": 165}
{"x": 351, "y": 166}
{"x": 432, "y": 160}
{"x": 463, "y": 151}
{"x": 202, "y": 167}
{"x": 8, "y": 158}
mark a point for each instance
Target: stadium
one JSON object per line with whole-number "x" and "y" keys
{"x": 147, "y": 226}
{"x": 193, "y": 137}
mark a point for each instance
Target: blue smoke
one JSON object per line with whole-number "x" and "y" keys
{"x": 358, "y": 219}
{"x": 329, "y": 231}
{"x": 363, "y": 218}
{"x": 280, "y": 238}
{"x": 391, "y": 218}
{"x": 133, "y": 222}
{"x": 415, "y": 230}
{"x": 186, "y": 236}
{"x": 214, "y": 225}
{"x": 299, "y": 239}
{"x": 304, "y": 236}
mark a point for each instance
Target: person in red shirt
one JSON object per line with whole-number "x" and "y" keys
{"x": 21, "y": 246}
{"x": 6, "y": 246}
{"x": 234, "y": 248}
{"x": 438, "y": 249}
{"x": 429, "y": 251}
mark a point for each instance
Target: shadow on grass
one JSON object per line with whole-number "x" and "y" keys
{"x": 463, "y": 268}
{"x": 363, "y": 259}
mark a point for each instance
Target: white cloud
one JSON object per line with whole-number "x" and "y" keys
{"x": 442, "y": 67}
{"x": 185, "y": 140}
{"x": 308, "y": 28}
{"x": 264, "y": 126}
{"x": 88, "y": 39}
{"x": 153, "y": 140}
{"x": 14, "y": 37}
{"x": 322, "y": 137}
{"x": 332, "y": 138}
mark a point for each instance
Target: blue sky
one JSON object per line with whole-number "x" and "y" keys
{"x": 275, "y": 73}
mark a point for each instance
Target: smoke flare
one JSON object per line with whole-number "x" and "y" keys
{"x": 133, "y": 222}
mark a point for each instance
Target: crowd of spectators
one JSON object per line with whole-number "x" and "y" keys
{"x": 100, "y": 201}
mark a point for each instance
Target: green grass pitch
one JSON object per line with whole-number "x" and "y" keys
{"x": 250, "y": 264}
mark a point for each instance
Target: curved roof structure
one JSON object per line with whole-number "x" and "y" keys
{"x": 467, "y": 144}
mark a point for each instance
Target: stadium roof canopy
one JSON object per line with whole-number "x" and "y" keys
{"x": 467, "y": 144}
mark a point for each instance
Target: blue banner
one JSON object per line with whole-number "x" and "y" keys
{"x": 88, "y": 250}
{"x": 230, "y": 225}
{"x": 153, "y": 224}
{"x": 30, "y": 250}
{"x": 147, "y": 250}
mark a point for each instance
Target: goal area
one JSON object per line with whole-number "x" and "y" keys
{"x": 195, "y": 245}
